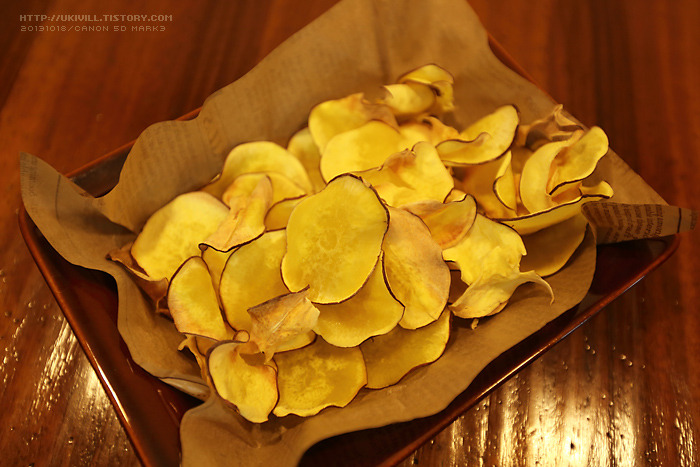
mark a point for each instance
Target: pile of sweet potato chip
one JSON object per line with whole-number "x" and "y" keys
{"x": 300, "y": 275}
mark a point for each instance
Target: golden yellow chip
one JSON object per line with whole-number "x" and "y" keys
{"x": 257, "y": 262}
{"x": 193, "y": 303}
{"x": 391, "y": 356}
{"x": 448, "y": 222}
{"x": 334, "y": 240}
{"x": 304, "y": 148}
{"x": 362, "y": 148}
{"x": 415, "y": 271}
{"x": 250, "y": 389}
{"x": 259, "y": 157}
{"x": 549, "y": 249}
{"x": 331, "y": 118}
{"x": 370, "y": 312}
{"x": 173, "y": 233}
{"x": 318, "y": 376}
{"x": 483, "y": 140}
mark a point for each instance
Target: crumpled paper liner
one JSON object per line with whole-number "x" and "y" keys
{"x": 358, "y": 45}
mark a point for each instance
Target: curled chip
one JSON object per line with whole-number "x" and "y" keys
{"x": 448, "y": 222}
{"x": 410, "y": 176}
{"x": 408, "y": 99}
{"x": 484, "y": 140}
{"x": 415, "y": 271}
{"x": 250, "y": 388}
{"x": 491, "y": 183}
{"x": 281, "y": 320}
{"x": 334, "y": 240}
{"x": 193, "y": 302}
{"x": 259, "y": 157}
{"x": 246, "y": 218}
{"x": 488, "y": 249}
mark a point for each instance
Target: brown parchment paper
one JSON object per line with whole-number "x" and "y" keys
{"x": 356, "y": 46}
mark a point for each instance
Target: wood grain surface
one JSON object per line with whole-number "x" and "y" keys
{"x": 624, "y": 389}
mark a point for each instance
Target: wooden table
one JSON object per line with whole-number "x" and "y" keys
{"x": 624, "y": 389}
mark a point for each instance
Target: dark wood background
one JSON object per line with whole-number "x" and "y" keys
{"x": 624, "y": 389}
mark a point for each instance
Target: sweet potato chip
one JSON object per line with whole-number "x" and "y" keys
{"x": 333, "y": 117}
{"x": 334, "y": 240}
{"x": 408, "y": 99}
{"x": 258, "y": 263}
{"x": 448, "y": 222}
{"x": 193, "y": 303}
{"x": 411, "y": 176}
{"x": 391, "y": 356}
{"x": 173, "y": 233}
{"x": 415, "y": 271}
{"x": 259, "y": 157}
{"x": 250, "y": 389}
{"x": 362, "y": 148}
{"x": 489, "y": 295}
{"x": 483, "y": 140}
{"x": 548, "y": 250}
{"x": 302, "y": 145}
{"x": 318, "y": 376}
{"x": 370, "y": 312}
{"x": 281, "y": 320}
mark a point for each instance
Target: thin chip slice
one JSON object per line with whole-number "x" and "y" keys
{"x": 333, "y": 117}
{"x": 173, "y": 233}
{"x": 489, "y": 248}
{"x": 411, "y": 176}
{"x": 489, "y": 295}
{"x": 246, "y": 218}
{"x": 556, "y": 126}
{"x": 428, "y": 129}
{"x": 281, "y": 320}
{"x": 415, "y": 271}
{"x": 392, "y": 356}
{"x": 362, "y": 148}
{"x": 371, "y": 312}
{"x": 250, "y": 389}
{"x": 258, "y": 263}
{"x": 439, "y": 79}
{"x": 193, "y": 303}
{"x": 535, "y": 175}
{"x": 282, "y": 187}
{"x": 259, "y": 157}
{"x": 318, "y": 376}
{"x": 548, "y": 250}
{"x": 579, "y": 161}
{"x": 408, "y": 99}
{"x": 484, "y": 140}
{"x": 448, "y": 222}
{"x": 504, "y": 186}
{"x": 534, "y": 222}
{"x": 278, "y": 214}
{"x": 334, "y": 240}
{"x": 216, "y": 260}
{"x": 429, "y": 73}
